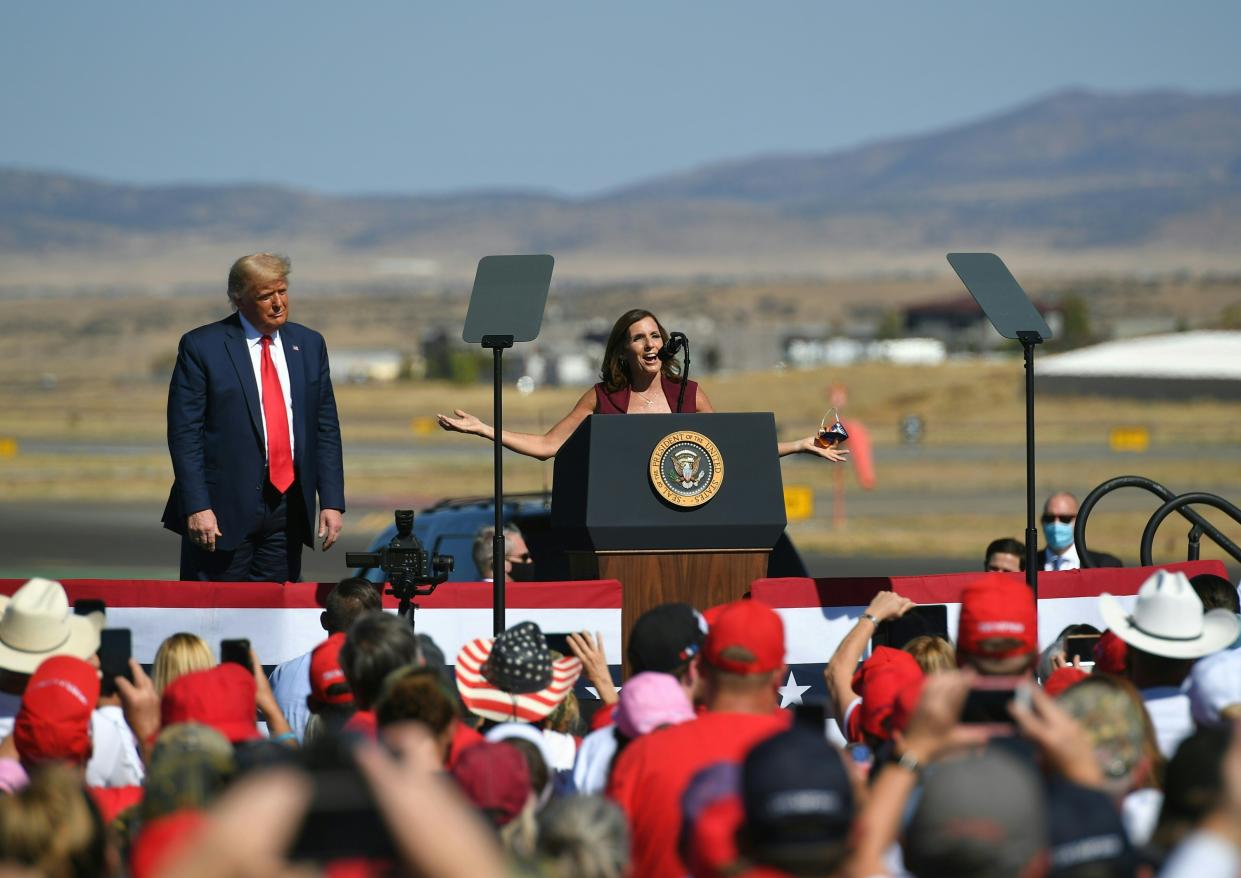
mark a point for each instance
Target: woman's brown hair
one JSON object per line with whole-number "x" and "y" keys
{"x": 613, "y": 373}
{"x": 53, "y": 827}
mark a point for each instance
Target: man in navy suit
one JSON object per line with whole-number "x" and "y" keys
{"x": 254, "y": 437}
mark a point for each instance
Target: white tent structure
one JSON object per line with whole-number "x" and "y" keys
{"x": 1175, "y": 366}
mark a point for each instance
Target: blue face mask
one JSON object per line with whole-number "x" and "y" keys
{"x": 1058, "y": 534}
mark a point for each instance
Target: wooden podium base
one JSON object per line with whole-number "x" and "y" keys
{"x": 701, "y": 579}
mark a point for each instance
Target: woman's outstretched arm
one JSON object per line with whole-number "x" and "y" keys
{"x": 808, "y": 446}
{"x": 799, "y": 446}
{"x": 529, "y": 444}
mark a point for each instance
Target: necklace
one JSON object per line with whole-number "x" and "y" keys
{"x": 646, "y": 400}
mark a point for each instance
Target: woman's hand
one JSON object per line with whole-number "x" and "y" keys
{"x": 594, "y": 663}
{"x": 837, "y": 455}
{"x": 456, "y": 843}
{"x": 140, "y": 705}
{"x": 889, "y": 605}
{"x": 808, "y": 446}
{"x": 461, "y": 422}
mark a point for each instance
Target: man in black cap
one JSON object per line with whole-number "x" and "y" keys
{"x": 790, "y": 816}
{"x": 1085, "y": 834}
{"x": 665, "y": 639}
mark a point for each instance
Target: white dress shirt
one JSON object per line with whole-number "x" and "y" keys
{"x": 254, "y": 341}
{"x": 1068, "y": 561}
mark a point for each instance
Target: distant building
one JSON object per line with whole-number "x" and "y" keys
{"x": 960, "y": 324}
{"x": 805, "y": 352}
{"x": 360, "y": 366}
{"x": 1176, "y": 366}
{"x": 908, "y": 351}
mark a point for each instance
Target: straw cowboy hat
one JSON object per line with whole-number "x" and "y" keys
{"x": 37, "y": 622}
{"x": 1168, "y": 621}
{"x": 512, "y": 678}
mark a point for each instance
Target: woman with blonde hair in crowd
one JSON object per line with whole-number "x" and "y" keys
{"x": 179, "y": 654}
{"x": 933, "y": 654}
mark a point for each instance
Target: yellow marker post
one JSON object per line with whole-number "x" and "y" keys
{"x": 8, "y": 447}
{"x": 798, "y": 502}
{"x": 1131, "y": 439}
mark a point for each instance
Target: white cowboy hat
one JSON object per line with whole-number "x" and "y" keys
{"x": 37, "y": 622}
{"x": 1168, "y": 621}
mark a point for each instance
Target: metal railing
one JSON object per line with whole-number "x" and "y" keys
{"x": 1171, "y": 503}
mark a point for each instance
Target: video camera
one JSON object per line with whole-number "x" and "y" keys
{"x": 409, "y": 568}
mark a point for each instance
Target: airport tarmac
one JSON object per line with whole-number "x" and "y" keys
{"x": 127, "y": 541}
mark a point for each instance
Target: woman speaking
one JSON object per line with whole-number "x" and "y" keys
{"x": 634, "y": 381}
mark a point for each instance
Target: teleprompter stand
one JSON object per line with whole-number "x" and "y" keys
{"x": 1014, "y": 316}
{"x": 506, "y": 306}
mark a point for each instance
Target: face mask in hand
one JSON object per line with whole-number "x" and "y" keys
{"x": 1058, "y": 534}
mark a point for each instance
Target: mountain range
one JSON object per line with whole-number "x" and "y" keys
{"x": 1077, "y": 179}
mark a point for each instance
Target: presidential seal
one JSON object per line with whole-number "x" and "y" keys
{"x": 686, "y": 468}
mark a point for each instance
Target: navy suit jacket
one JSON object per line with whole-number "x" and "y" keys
{"x": 215, "y": 429}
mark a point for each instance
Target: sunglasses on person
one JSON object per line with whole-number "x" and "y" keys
{"x": 1063, "y": 519}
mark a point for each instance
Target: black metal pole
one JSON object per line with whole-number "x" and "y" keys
{"x": 684, "y": 381}
{"x": 1028, "y": 341}
{"x": 497, "y": 551}
{"x": 1195, "y": 539}
{"x": 498, "y": 343}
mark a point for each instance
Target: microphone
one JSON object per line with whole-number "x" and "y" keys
{"x": 676, "y": 341}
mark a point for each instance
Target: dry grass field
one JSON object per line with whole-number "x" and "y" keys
{"x": 83, "y": 384}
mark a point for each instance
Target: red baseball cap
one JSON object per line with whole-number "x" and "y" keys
{"x": 53, "y": 722}
{"x": 1063, "y": 678}
{"x": 710, "y": 614}
{"x": 750, "y": 626}
{"x": 1110, "y": 653}
{"x": 495, "y": 777}
{"x": 992, "y": 607}
{"x": 222, "y": 697}
{"x": 327, "y": 681}
{"x": 162, "y": 840}
{"x": 883, "y": 680}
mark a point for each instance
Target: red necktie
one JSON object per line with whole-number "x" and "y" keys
{"x": 279, "y": 454}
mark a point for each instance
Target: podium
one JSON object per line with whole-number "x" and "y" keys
{"x": 676, "y": 507}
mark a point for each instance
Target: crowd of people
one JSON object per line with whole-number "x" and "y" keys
{"x": 373, "y": 755}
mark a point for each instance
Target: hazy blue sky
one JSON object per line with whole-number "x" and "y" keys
{"x": 571, "y": 96}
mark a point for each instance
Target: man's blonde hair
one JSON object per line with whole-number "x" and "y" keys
{"x": 248, "y": 270}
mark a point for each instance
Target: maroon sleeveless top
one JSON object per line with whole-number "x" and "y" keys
{"x": 618, "y": 403}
